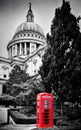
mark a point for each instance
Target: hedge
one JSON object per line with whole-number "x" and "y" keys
{"x": 22, "y": 119}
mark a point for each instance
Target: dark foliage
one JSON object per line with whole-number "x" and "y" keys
{"x": 61, "y": 68}
{"x": 21, "y": 118}
{"x": 17, "y": 76}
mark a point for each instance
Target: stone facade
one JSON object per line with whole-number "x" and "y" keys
{"x": 25, "y": 48}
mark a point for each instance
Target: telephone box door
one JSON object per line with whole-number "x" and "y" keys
{"x": 45, "y": 110}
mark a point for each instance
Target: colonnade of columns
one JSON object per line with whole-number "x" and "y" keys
{"x": 23, "y": 48}
{"x": 19, "y": 49}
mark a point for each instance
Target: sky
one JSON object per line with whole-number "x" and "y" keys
{"x": 13, "y": 13}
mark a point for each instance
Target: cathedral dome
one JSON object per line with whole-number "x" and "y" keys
{"x": 28, "y": 37}
{"x": 29, "y": 26}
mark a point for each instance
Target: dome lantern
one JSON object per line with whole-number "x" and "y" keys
{"x": 29, "y": 25}
{"x": 30, "y": 16}
{"x": 28, "y": 37}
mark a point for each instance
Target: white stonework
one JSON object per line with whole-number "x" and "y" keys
{"x": 32, "y": 47}
{"x": 1, "y": 89}
{"x": 4, "y": 114}
{"x": 4, "y": 70}
{"x": 25, "y": 49}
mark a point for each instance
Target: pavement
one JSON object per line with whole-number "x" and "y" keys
{"x": 17, "y": 127}
{"x": 21, "y": 127}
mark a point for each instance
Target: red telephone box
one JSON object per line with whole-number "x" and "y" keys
{"x": 45, "y": 110}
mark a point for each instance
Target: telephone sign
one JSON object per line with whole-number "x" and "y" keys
{"x": 45, "y": 110}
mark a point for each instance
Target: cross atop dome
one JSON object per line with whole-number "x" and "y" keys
{"x": 30, "y": 16}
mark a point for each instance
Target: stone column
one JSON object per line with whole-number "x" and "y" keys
{"x": 1, "y": 89}
{"x": 25, "y": 48}
{"x": 32, "y": 47}
{"x": 11, "y": 51}
{"x": 16, "y": 49}
{"x": 29, "y": 48}
{"x": 20, "y": 48}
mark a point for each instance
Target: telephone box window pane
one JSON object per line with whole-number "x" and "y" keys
{"x": 38, "y": 103}
{"x": 46, "y": 104}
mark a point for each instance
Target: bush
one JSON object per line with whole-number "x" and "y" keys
{"x": 65, "y": 124}
{"x": 27, "y": 110}
{"x": 74, "y": 115}
{"x": 5, "y": 102}
{"x": 62, "y": 123}
{"x": 22, "y": 119}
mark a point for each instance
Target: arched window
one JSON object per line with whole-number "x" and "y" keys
{"x": 35, "y": 35}
{"x": 32, "y": 35}
{"x": 4, "y": 75}
{"x": 24, "y": 34}
{"x": 28, "y": 34}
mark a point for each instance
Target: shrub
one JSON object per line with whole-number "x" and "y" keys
{"x": 21, "y": 118}
{"x": 74, "y": 115}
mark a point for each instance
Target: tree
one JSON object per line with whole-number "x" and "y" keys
{"x": 61, "y": 63}
{"x": 22, "y": 87}
{"x": 17, "y": 76}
